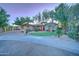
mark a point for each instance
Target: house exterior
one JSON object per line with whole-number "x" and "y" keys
{"x": 33, "y": 27}
{"x": 40, "y": 26}
{"x": 50, "y": 27}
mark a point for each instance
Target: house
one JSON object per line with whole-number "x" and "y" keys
{"x": 33, "y": 26}
{"x": 39, "y": 26}
{"x": 51, "y": 25}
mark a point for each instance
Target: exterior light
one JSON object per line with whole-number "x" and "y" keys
{"x": 50, "y": 20}
{"x": 56, "y": 22}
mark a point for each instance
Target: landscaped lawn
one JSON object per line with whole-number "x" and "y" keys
{"x": 43, "y": 33}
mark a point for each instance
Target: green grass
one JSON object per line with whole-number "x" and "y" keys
{"x": 40, "y": 33}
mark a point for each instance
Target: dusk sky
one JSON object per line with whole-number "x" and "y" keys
{"x": 27, "y": 9}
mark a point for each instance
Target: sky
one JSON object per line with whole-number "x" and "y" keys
{"x": 25, "y": 9}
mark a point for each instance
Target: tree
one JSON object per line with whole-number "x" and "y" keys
{"x": 45, "y": 15}
{"x": 35, "y": 17}
{"x": 17, "y": 21}
{"x": 39, "y": 17}
{"x": 20, "y": 21}
{"x": 3, "y": 18}
{"x": 61, "y": 14}
{"x": 51, "y": 14}
{"x": 75, "y": 10}
{"x": 74, "y": 21}
{"x": 28, "y": 19}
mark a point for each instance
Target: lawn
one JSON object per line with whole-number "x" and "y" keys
{"x": 43, "y": 33}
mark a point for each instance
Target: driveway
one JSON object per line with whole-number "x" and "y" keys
{"x": 15, "y": 43}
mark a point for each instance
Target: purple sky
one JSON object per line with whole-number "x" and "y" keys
{"x": 26, "y": 9}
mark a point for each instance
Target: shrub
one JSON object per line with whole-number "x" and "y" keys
{"x": 74, "y": 35}
{"x": 37, "y": 29}
{"x": 59, "y": 32}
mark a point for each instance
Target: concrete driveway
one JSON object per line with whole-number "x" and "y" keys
{"x": 15, "y": 43}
